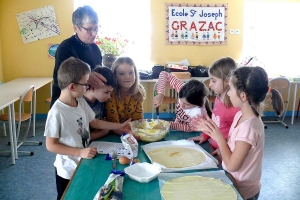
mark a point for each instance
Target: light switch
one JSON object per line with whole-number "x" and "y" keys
{"x": 231, "y": 31}
{"x": 237, "y": 31}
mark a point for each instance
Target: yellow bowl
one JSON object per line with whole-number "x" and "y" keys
{"x": 150, "y": 130}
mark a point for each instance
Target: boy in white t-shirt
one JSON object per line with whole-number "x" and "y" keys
{"x": 67, "y": 126}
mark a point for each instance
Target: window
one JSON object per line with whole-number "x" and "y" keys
{"x": 272, "y": 35}
{"x": 131, "y": 19}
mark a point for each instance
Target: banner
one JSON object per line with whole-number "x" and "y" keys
{"x": 196, "y": 24}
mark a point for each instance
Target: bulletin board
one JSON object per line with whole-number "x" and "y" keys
{"x": 196, "y": 24}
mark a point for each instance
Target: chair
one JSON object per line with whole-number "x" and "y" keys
{"x": 20, "y": 117}
{"x": 281, "y": 84}
{"x": 48, "y": 100}
{"x": 212, "y": 96}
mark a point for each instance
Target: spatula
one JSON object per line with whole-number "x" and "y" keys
{"x": 157, "y": 113}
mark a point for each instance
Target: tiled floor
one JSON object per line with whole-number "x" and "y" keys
{"x": 33, "y": 176}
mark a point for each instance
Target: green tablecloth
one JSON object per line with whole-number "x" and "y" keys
{"x": 91, "y": 174}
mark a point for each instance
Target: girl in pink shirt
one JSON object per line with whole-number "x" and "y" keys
{"x": 223, "y": 111}
{"x": 191, "y": 104}
{"x": 242, "y": 154}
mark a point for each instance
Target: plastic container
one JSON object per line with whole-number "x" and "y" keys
{"x": 150, "y": 130}
{"x": 142, "y": 172}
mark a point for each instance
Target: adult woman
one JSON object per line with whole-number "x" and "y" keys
{"x": 127, "y": 98}
{"x": 82, "y": 46}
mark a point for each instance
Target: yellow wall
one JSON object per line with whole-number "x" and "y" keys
{"x": 1, "y": 68}
{"x": 205, "y": 55}
{"x": 31, "y": 59}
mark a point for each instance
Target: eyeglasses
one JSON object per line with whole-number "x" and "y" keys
{"x": 91, "y": 30}
{"x": 86, "y": 85}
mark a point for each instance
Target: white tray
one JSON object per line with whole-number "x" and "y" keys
{"x": 210, "y": 162}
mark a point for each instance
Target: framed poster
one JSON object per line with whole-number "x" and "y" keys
{"x": 196, "y": 24}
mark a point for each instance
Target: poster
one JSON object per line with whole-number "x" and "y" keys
{"x": 52, "y": 50}
{"x": 38, "y": 24}
{"x": 196, "y": 24}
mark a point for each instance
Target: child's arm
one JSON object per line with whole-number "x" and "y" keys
{"x": 166, "y": 78}
{"x": 54, "y": 146}
{"x": 98, "y": 134}
{"x": 100, "y": 124}
{"x": 181, "y": 127}
{"x": 233, "y": 160}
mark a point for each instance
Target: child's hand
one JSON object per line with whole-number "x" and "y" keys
{"x": 200, "y": 138}
{"x": 125, "y": 125}
{"x": 199, "y": 124}
{"x": 218, "y": 153}
{"x": 212, "y": 130}
{"x": 157, "y": 100}
{"x": 88, "y": 153}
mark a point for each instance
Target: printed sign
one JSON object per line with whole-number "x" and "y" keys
{"x": 196, "y": 24}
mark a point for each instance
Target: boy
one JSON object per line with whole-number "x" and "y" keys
{"x": 67, "y": 126}
{"x": 96, "y": 98}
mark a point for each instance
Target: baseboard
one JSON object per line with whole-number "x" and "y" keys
{"x": 170, "y": 115}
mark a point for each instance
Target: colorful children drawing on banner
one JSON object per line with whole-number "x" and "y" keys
{"x": 197, "y": 23}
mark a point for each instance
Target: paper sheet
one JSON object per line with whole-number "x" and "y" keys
{"x": 219, "y": 174}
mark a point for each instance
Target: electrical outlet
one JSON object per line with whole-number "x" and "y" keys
{"x": 231, "y": 31}
{"x": 237, "y": 31}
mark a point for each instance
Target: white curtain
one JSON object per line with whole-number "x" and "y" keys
{"x": 272, "y": 35}
{"x": 130, "y": 19}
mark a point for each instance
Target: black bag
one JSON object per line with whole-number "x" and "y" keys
{"x": 156, "y": 70}
{"x": 199, "y": 71}
{"x": 144, "y": 74}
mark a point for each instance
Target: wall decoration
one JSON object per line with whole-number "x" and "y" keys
{"x": 196, "y": 24}
{"x": 38, "y": 24}
{"x": 52, "y": 50}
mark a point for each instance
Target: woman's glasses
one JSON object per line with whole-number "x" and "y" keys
{"x": 91, "y": 30}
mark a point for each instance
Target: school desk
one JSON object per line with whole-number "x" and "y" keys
{"x": 11, "y": 92}
{"x": 295, "y": 83}
{"x": 91, "y": 174}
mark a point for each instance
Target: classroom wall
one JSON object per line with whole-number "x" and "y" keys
{"x": 204, "y": 54}
{"x": 31, "y": 59}
{"x": 1, "y": 68}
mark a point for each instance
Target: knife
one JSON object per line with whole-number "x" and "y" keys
{"x": 157, "y": 113}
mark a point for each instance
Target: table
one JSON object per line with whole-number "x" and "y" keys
{"x": 8, "y": 100}
{"x": 294, "y": 101}
{"x": 91, "y": 174}
{"x": 13, "y": 90}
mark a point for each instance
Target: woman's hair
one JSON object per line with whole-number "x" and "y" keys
{"x": 254, "y": 82}
{"x": 195, "y": 92}
{"x": 222, "y": 69}
{"x": 136, "y": 88}
{"x": 84, "y": 14}
{"x": 71, "y": 71}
